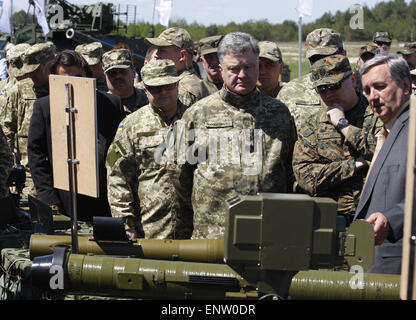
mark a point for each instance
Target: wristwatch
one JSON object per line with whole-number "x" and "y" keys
{"x": 342, "y": 123}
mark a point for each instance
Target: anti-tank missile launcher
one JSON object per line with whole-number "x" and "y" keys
{"x": 268, "y": 239}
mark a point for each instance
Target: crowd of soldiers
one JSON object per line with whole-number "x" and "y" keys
{"x": 173, "y": 148}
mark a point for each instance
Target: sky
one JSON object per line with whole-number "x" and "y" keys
{"x": 221, "y": 12}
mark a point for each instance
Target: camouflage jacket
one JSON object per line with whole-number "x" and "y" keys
{"x": 240, "y": 145}
{"x": 324, "y": 161}
{"x": 191, "y": 88}
{"x": 301, "y": 99}
{"x": 6, "y": 163}
{"x": 141, "y": 186}
{"x": 16, "y": 118}
{"x": 209, "y": 86}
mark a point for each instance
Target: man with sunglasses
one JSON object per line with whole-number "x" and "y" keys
{"x": 382, "y": 39}
{"x": 120, "y": 73}
{"x": 334, "y": 147}
{"x": 298, "y": 95}
{"x": 142, "y": 186}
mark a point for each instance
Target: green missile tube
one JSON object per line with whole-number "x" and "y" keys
{"x": 141, "y": 278}
{"x": 338, "y": 285}
{"x": 201, "y": 250}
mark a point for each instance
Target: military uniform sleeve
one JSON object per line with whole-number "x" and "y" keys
{"x": 9, "y": 119}
{"x": 6, "y": 162}
{"x": 122, "y": 177}
{"x": 314, "y": 175}
{"x": 363, "y": 139}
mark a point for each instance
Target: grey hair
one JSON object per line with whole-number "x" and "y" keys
{"x": 397, "y": 66}
{"x": 237, "y": 43}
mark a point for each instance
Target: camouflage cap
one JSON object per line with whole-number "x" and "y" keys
{"x": 92, "y": 52}
{"x": 382, "y": 36}
{"x": 117, "y": 58}
{"x": 330, "y": 70}
{"x": 37, "y": 54}
{"x": 270, "y": 50}
{"x": 209, "y": 44}
{"x": 323, "y": 41}
{"x": 369, "y": 48}
{"x": 409, "y": 48}
{"x": 173, "y": 37}
{"x": 159, "y": 73}
{"x": 14, "y": 59}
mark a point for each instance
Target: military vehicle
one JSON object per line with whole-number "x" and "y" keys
{"x": 71, "y": 25}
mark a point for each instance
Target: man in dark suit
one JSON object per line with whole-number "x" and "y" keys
{"x": 109, "y": 114}
{"x": 387, "y": 86}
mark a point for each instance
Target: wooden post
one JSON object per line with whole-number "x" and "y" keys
{"x": 408, "y": 284}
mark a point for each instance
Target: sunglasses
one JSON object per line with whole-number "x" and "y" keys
{"x": 380, "y": 43}
{"x": 332, "y": 86}
{"x": 158, "y": 89}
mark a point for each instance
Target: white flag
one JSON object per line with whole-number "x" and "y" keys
{"x": 5, "y": 16}
{"x": 305, "y": 7}
{"x": 164, "y": 9}
{"x": 41, "y": 15}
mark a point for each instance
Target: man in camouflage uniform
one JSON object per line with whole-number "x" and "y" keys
{"x": 298, "y": 95}
{"x": 382, "y": 39}
{"x": 409, "y": 54}
{"x": 20, "y": 101}
{"x": 207, "y": 51}
{"x": 336, "y": 145}
{"x": 177, "y": 45}
{"x": 119, "y": 72}
{"x": 6, "y": 163}
{"x": 270, "y": 68}
{"x": 93, "y": 53}
{"x": 14, "y": 64}
{"x": 366, "y": 53}
{"x": 241, "y": 140}
{"x": 141, "y": 175}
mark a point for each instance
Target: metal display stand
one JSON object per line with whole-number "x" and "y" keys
{"x": 72, "y": 163}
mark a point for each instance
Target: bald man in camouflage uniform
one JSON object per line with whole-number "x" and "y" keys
{"x": 298, "y": 95}
{"x": 242, "y": 140}
{"x": 336, "y": 145}
{"x": 177, "y": 45}
{"x": 142, "y": 188}
{"x": 93, "y": 54}
{"x": 20, "y": 101}
{"x": 119, "y": 72}
{"x": 207, "y": 51}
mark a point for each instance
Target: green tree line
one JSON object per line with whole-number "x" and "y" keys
{"x": 396, "y": 17}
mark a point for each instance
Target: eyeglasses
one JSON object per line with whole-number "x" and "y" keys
{"x": 158, "y": 89}
{"x": 332, "y": 86}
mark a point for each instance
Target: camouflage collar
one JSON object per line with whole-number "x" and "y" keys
{"x": 161, "y": 115}
{"x": 242, "y": 102}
